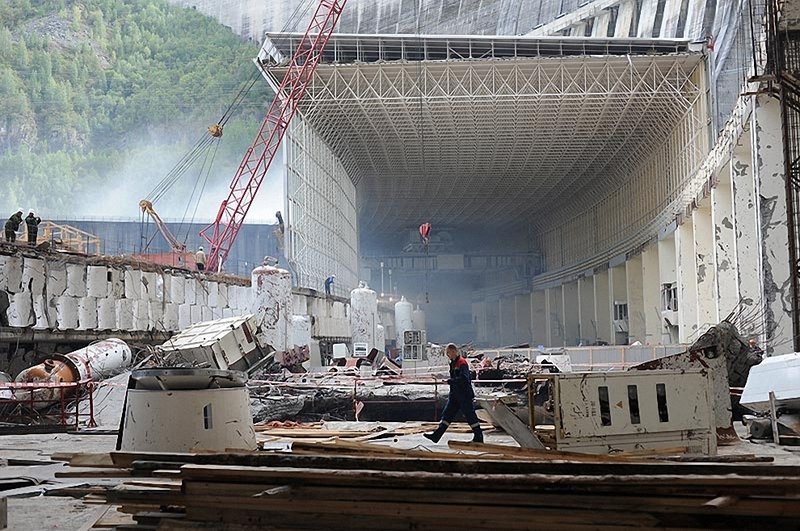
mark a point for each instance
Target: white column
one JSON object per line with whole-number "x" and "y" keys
{"x": 539, "y": 317}
{"x": 647, "y": 19}
{"x": 572, "y": 329}
{"x": 635, "y": 292}
{"x": 522, "y": 314}
{"x": 769, "y": 174}
{"x": 618, "y": 288}
{"x": 555, "y": 317}
{"x": 602, "y": 307}
{"x": 686, "y": 270}
{"x": 651, "y": 296}
{"x": 667, "y": 262}
{"x": 727, "y": 285}
{"x": 588, "y": 326}
{"x": 600, "y": 28}
{"x": 672, "y": 10}
{"x": 624, "y": 18}
{"x": 706, "y": 274}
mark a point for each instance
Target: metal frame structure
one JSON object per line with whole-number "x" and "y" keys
{"x": 259, "y": 156}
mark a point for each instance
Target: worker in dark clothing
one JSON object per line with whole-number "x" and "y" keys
{"x": 12, "y": 226}
{"x": 329, "y": 284}
{"x": 32, "y": 223}
{"x": 460, "y": 399}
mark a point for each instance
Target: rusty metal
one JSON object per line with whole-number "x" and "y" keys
{"x": 30, "y": 400}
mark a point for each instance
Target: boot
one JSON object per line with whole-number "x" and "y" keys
{"x": 437, "y": 434}
{"x": 478, "y": 434}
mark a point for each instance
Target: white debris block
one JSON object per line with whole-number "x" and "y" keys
{"x": 149, "y": 286}
{"x": 141, "y": 315}
{"x": 212, "y": 289}
{"x": 87, "y": 313}
{"x": 11, "y": 273}
{"x": 184, "y": 316}
{"x": 206, "y": 314}
{"x": 196, "y": 315}
{"x": 227, "y": 312}
{"x": 155, "y": 316}
{"x": 76, "y": 280}
{"x": 33, "y": 277}
{"x": 106, "y": 314}
{"x": 166, "y": 287}
{"x": 201, "y": 293}
{"x": 20, "y": 311}
{"x": 190, "y": 290}
{"x": 177, "y": 285}
{"x": 67, "y": 312}
{"x": 41, "y": 313}
{"x": 116, "y": 287}
{"x": 171, "y": 316}
{"x": 56, "y": 279}
{"x": 124, "y": 313}
{"x": 97, "y": 281}
{"x": 133, "y": 283}
{"x": 222, "y": 295}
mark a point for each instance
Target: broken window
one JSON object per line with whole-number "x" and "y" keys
{"x": 605, "y": 407}
{"x": 669, "y": 297}
{"x": 661, "y": 398}
{"x": 633, "y": 404}
{"x": 620, "y": 311}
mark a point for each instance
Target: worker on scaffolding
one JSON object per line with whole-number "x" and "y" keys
{"x": 200, "y": 259}
{"x": 460, "y": 398}
{"x": 32, "y": 224}
{"x": 329, "y": 284}
{"x": 12, "y": 226}
{"x": 425, "y": 235}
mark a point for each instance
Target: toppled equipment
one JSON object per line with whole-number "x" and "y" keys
{"x": 773, "y": 392}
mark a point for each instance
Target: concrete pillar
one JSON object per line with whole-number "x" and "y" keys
{"x": 625, "y": 16}
{"x": 106, "y": 314}
{"x": 694, "y": 19}
{"x": 727, "y": 278}
{"x": 11, "y": 274}
{"x": 668, "y": 276}
{"x": 669, "y": 22}
{"x": 572, "y": 329}
{"x": 771, "y": 188}
{"x": 124, "y": 313}
{"x": 539, "y": 317}
{"x": 522, "y": 315}
{"x": 56, "y": 283}
{"x": 651, "y": 296}
{"x": 76, "y": 280}
{"x": 706, "y": 274}
{"x": 635, "y": 291}
{"x": 133, "y": 283}
{"x": 493, "y": 322}
{"x": 87, "y": 313}
{"x": 479, "y": 321}
{"x": 555, "y": 317}
{"x": 603, "y": 307}
{"x": 618, "y": 283}
{"x": 97, "y": 281}
{"x": 686, "y": 270}
{"x": 749, "y": 270}
{"x": 67, "y": 312}
{"x": 600, "y": 28}
{"x": 647, "y": 18}
{"x": 578, "y": 30}
{"x": 507, "y": 321}
{"x": 588, "y": 325}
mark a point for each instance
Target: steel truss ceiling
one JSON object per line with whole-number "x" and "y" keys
{"x": 497, "y": 131}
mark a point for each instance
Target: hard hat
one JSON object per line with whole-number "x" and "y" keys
{"x": 20, "y": 210}
{"x": 31, "y": 212}
{"x": 201, "y": 247}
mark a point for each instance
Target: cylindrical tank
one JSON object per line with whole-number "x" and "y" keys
{"x": 380, "y": 338}
{"x": 402, "y": 319}
{"x": 364, "y": 315}
{"x": 272, "y": 304}
{"x": 186, "y": 410}
{"x": 418, "y": 319}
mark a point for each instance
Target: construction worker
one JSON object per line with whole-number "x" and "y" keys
{"x": 328, "y": 284}
{"x": 460, "y": 398}
{"x": 12, "y": 226}
{"x": 32, "y": 224}
{"x": 200, "y": 259}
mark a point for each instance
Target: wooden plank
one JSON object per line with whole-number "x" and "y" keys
{"x": 92, "y": 460}
{"x": 511, "y": 424}
{"x": 96, "y": 473}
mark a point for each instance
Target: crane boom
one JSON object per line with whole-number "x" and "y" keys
{"x": 177, "y": 246}
{"x": 258, "y": 157}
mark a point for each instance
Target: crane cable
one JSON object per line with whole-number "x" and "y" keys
{"x": 418, "y": 13}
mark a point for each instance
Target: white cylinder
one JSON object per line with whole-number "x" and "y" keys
{"x": 380, "y": 338}
{"x": 102, "y": 359}
{"x": 171, "y": 316}
{"x": 195, "y": 314}
{"x": 177, "y": 285}
{"x": 141, "y": 315}
{"x": 97, "y": 281}
{"x": 20, "y": 311}
{"x": 201, "y": 295}
{"x": 106, "y": 314}
{"x": 41, "y": 313}
{"x": 184, "y": 316}
{"x": 56, "y": 279}
{"x": 402, "y": 319}
{"x": 190, "y": 290}
{"x": 272, "y": 304}
{"x": 117, "y": 285}
{"x": 76, "y": 280}
{"x": 223, "y": 295}
{"x": 364, "y": 316}
{"x": 133, "y": 284}
{"x": 206, "y": 314}
{"x": 418, "y": 319}
{"x": 11, "y": 273}
{"x": 67, "y": 312}
{"x": 155, "y": 316}
{"x": 87, "y": 313}
{"x": 33, "y": 276}
{"x": 149, "y": 286}
{"x": 124, "y": 313}
{"x": 212, "y": 288}
{"x": 301, "y": 331}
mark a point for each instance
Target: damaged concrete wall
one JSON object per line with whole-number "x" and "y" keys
{"x": 47, "y": 292}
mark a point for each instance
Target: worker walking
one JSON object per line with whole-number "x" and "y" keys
{"x": 200, "y": 259}
{"x": 12, "y": 226}
{"x": 460, "y": 398}
{"x": 329, "y": 284}
{"x": 32, "y": 224}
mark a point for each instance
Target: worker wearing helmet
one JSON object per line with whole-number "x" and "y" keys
{"x": 329, "y": 284}
{"x": 32, "y": 224}
{"x": 200, "y": 259}
{"x": 12, "y": 226}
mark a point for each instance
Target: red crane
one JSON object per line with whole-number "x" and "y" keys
{"x": 258, "y": 157}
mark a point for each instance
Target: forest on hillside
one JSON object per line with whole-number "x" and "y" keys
{"x": 104, "y": 95}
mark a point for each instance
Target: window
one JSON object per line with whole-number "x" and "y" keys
{"x": 661, "y": 397}
{"x": 605, "y": 407}
{"x": 633, "y": 404}
{"x": 669, "y": 297}
{"x": 620, "y": 311}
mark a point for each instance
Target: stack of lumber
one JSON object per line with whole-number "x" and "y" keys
{"x": 359, "y": 485}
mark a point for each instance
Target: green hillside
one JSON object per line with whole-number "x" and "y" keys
{"x": 97, "y": 94}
